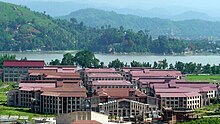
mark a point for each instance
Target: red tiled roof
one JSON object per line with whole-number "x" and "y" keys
{"x": 26, "y": 63}
{"x": 63, "y": 94}
{"x": 192, "y": 94}
{"x": 196, "y": 85}
{"x": 97, "y": 75}
{"x": 38, "y": 81}
{"x": 160, "y": 86}
{"x": 176, "y": 90}
{"x": 205, "y": 89}
{"x": 86, "y": 122}
{"x": 111, "y": 82}
{"x": 99, "y": 70}
{"x": 75, "y": 91}
{"x": 155, "y": 73}
{"x": 119, "y": 92}
{"x": 147, "y": 81}
{"x": 41, "y": 85}
{"x": 64, "y": 89}
{"x": 54, "y": 73}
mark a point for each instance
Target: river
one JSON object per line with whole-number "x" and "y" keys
{"x": 106, "y": 58}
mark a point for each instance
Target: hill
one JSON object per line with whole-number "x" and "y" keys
{"x": 22, "y": 29}
{"x": 156, "y": 26}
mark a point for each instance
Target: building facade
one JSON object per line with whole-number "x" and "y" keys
{"x": 16, "y": 70}
{"x": 127, "y": 108}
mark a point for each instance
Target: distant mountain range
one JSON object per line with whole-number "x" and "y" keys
{"x": 165, "y": 14}
{"x": 187, "y": 29}
{"x": 23, "y": 30}
{"x": 55, "y": 8}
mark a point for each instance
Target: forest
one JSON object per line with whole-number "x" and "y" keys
{"x": 26, "y": 30}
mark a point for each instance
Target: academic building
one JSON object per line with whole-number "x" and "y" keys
{"x": 16, "y": 70}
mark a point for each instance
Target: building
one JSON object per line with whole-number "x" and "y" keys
{"x": 61, "y": 100}
{"x": 128, "y": 109}
{"x": 15, "y": 70}
{"x": 110, "y": 101}
{"x": 84, "y": 72}
{"x": 182, "y": 94}
{"x": 94, "y": 77}
{"x": 134, "y": 73}
{"x": 98, "y": 84}
{"x": 50, "y": 90}
{"x": 143, "y": 84}
{"x": 56, "y": 100}
{"x": 82, "y": 117}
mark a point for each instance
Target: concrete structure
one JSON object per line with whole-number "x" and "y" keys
{"x": 182, "y": 94}
{"x": 84, "y": 72}
{"x": 99, "y": 74}
{"x": 108, "y": 84}
{"x": 127, "y": 108}
{"x": 123, "y": 102}
{"x": 134, "y": 73}
{"x": 49, "y": 100}
{"x": 15, "y": 70}
{"x": 50, "y": 90}
{"x": 70, "y": 118}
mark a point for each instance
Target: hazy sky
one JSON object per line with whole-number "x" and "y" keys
{"x": 209, "y": 6}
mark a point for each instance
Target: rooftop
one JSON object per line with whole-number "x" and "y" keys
{"x": 54, "y": 73}
{"x": 104, "y": 75}
{"x": 192, "y": 94}
{"x": 119, "y": 92}
{"x": 111, "y": 82}
{"x": 100, "y": 70}
{"x": 23, "y": 63}
{"x": 64, "y": 92}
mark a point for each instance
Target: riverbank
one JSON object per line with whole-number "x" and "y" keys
{"x": 120, "y": 53}
{"x": 47, "y": 56}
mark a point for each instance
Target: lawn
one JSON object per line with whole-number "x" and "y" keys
{"x": 16, "y": 111}
{"x": 208, "y": 78}
{"x": 204, "y": 121}
{"x": 208, "y": 110}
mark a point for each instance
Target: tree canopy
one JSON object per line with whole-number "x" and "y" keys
{"x": 86, "y": 59}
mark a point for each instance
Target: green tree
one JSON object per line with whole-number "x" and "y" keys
{"x": 155, "y": 65}
{"x": 24, "y": 59}
{"x": 116, "y": 64}
{"x": 171, "y": 67}
{"x": 55, "y": 62}
{"x": 206, "y": 69}
{"x": 190, "y": 68}
{"x": 163, "y": 64}
{"x": 179, "y": 66}
{"x": 136, "y": 64}
{"x": 101, "y": 64}
{"x": 86, "y": 59}
{"x": 67, "y": 59}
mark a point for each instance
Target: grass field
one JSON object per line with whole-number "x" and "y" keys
{"x": 15, "y": 111}
{"x": 204, "y": 121}
{"x": 208, "y": 110}
{"x": 208, "y": 78}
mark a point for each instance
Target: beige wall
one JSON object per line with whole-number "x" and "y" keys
{"x": 81, "y": 115}
{"x": 99, "y": 117}
{"x": 193, "y": 102}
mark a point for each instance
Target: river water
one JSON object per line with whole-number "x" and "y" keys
{"x": 106, "y": 58}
